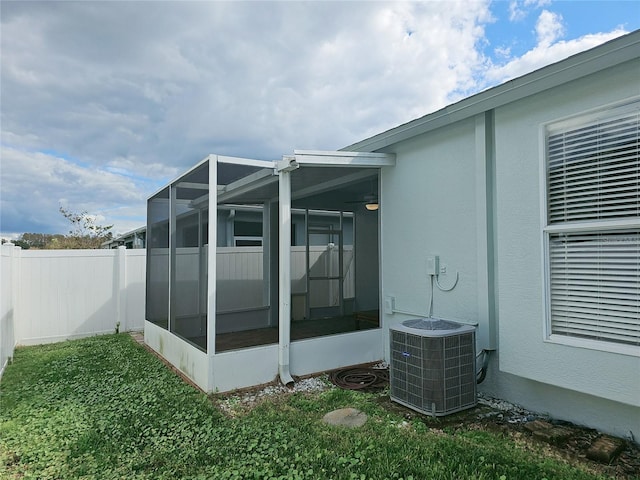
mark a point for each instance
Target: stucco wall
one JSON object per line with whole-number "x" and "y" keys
{"x": 428, "y": 208}
{"x": 523, "y": 349}
{"x": 433, "y": 203}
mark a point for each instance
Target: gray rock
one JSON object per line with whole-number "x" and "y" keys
{"x": 346, "y": 417}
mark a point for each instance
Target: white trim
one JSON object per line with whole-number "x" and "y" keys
{"x": 593, "y": 114}
{"x": 211, "y": 249}
{"x": 287, "y": 164}
{"x": 246, "y": 161}
{"x": 192, "y": 185}
{"x": 544, "y": 237}
{"x": 594, "y": 345}
{"x": 593, "y": 226}
{"x": 317, "y": 158}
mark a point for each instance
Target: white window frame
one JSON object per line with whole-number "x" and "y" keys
{"x": 609, "y": 111}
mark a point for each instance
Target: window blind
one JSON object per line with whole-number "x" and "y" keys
{"x": 595, "y": 285}
{"x": 593, "y": 182}
{"x": 593, "y": 171}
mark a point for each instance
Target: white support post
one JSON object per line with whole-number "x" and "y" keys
{"x": 121, "y": 289}
{"x": 211, "y": 268}
{"x": 284, "y": 275}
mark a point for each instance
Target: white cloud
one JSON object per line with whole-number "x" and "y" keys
{"x": 128, "y": 97}
{"x": 238, "y": 70}
{"x": 546, "y": 53}
{"x": 502, "y": 52}
{"x": 136, "y": 102}
{"x": 34, "y": 185}
{"x": 519, "y": 9}
{"x": 134, "y": 168}
{"x": 549, "y": 28}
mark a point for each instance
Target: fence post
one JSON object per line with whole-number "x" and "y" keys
{"x": 121, "y": 290}
{"x": 9, "y": 322}
{"x": 16, "y": 272}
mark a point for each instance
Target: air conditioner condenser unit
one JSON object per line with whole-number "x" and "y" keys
{"x": 433, "y": 366}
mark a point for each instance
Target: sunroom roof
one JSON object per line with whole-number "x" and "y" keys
{"x": 346, "y": 175}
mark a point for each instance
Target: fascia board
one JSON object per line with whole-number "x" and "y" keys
{"x": 246, "y": 161}
{"x": 342, "y": 158}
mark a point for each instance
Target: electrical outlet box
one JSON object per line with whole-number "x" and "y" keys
{"x": 389, "y": 304}
{"x": 433, "y": 265}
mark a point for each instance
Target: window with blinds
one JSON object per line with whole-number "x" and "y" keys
{"x": 593, "y": 227}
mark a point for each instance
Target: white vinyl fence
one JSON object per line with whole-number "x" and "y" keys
{"x": 243, "y": 266}
{"x": 54, "y": 295}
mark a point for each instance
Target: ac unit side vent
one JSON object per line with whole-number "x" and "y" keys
{"x": 433, "y": 370}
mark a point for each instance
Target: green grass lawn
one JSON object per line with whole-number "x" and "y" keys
{"x": 105, "y": 408}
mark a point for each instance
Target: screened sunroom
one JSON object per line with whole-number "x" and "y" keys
{"x": 293, "y": 287}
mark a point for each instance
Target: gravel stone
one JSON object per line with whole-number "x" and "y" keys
{"x": 241, "y": 401}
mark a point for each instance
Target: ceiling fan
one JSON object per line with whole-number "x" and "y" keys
{"x": 370, "y": 201}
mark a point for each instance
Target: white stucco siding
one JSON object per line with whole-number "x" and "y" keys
{"x": 523, "y": 349}
{"x": 428, "y": 208}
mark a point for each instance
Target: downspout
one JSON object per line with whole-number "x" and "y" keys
{"x": 285, "y": 167}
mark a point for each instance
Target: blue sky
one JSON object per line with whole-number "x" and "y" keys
{"x": 104, "y": 102}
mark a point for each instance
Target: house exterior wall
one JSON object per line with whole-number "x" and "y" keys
{"x": 428, "y": 208}
{"x": 471, "y": 193}
{"x": 612, "y": 379}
